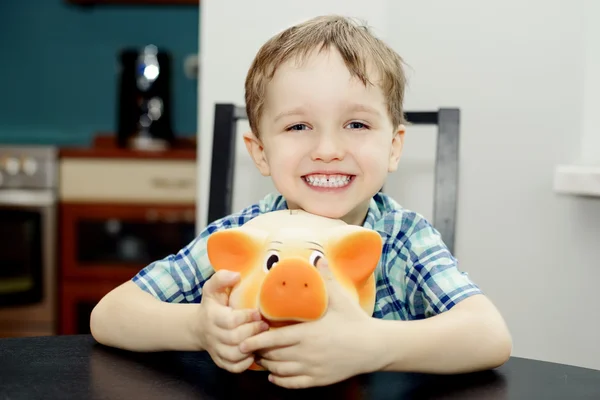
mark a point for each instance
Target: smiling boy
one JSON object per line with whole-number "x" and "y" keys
{"x": 324, "y": 102}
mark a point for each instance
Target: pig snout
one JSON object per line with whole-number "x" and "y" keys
{"x": 293, "y": 290}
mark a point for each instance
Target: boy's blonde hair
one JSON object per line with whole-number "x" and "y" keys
{"x": 359, "y": 48}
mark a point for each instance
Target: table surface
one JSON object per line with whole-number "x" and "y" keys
{"x": 76, "y": 367}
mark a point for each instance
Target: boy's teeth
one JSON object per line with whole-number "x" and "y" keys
{"x": 327, "y": 180}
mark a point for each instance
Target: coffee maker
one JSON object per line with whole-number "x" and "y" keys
{"x": 144, "y": 99}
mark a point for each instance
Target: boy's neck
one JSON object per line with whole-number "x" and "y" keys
{"x": 357, "y": 216}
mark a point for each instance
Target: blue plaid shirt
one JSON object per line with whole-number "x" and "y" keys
{"x": 417, "y": 277}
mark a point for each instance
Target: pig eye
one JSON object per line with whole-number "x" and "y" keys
{"x": 272, "y": 259}
{"x": 315, "y": 257}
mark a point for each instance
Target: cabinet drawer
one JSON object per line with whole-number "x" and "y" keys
{"x": 127, "y": 181}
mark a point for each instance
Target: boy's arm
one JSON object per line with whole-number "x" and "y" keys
{"x": 132, "y": 319}
{"x": 154, "y": 311}
{"x": 453, "y": 327}
{"x": 472, "y": 336}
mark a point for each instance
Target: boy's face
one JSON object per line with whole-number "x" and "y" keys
{"x": 326, "y": 139}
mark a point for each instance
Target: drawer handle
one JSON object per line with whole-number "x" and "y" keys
{"x": 164, "y": 183}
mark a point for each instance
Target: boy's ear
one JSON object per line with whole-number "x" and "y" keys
{"x": 235, "y": 249}
{"x": 396, "y": 150}
{"x": 257, "y": 152}
{"x": 353, "y": 251}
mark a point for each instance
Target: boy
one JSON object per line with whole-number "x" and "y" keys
{"x": 324, "y": 102}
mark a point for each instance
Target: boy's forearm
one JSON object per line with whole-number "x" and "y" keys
{"x": 131, "y": 319}
{"x": 471, "y": 336}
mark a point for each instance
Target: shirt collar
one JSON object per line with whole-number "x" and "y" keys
{"x": 374, "y": 212}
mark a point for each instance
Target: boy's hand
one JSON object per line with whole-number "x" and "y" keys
{"x": 318, "y": 353}
{"x": 221, "y": 329}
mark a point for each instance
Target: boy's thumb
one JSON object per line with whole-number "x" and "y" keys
{"x": 220, "y": 282}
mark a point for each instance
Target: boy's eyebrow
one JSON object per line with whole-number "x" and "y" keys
{"x": 351, "y": 108}
{"x": 293, "y": 111}
{"x": 364, "y": 108}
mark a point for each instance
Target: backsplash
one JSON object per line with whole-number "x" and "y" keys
{"x": 58, "y": 74}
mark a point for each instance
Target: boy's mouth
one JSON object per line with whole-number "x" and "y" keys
{"x": 328, "y": 181}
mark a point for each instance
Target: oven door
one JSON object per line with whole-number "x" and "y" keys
{"x": 26, "y": 251}
{"x": 21, "y": 280}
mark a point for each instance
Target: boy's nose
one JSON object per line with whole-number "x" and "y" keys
{"x": 328, "y": 148}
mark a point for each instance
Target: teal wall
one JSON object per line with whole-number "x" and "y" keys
{"x": 58, "y": 76}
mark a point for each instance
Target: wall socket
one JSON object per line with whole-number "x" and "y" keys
{"x": 191, "y": 66}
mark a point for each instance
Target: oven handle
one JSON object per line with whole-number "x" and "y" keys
{"x": 27, "y": 198}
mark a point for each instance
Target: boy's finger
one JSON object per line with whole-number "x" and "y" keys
{"x": 233, "y": 319}
{"x": 286, "y": 336}
{"x": 238, "y": 335}
{"x": 241, "y": 366}
{"x": 230, "y": 354}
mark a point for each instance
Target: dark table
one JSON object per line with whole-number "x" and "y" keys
{"x": 76, "y": 367}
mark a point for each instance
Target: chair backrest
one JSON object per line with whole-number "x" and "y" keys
{"x": 446, "y": 164}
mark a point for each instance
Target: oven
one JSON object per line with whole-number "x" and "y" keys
{"x": 117, "y": 213}
{"x": 28, "y": 277}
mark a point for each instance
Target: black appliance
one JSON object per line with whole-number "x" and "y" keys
{"x": 144, "y": 99}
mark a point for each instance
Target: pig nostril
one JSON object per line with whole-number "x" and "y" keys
{"x": 283, "y": 284}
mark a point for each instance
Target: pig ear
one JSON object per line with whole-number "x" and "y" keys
{"x": 354, "y": 251}
{"x": 235, "y": 249}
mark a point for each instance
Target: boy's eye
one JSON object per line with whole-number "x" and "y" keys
{"x": 297, "y": 127}
{"x": 356, "y": 125}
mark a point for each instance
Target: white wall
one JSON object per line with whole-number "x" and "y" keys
{"x": 516, "y": 70}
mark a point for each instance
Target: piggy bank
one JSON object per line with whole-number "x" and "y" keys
{"x": 276, "y": 255}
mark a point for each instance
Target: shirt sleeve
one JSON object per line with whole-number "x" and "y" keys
{"x": 179, "y": 278}
{"x": 433, "y": 282}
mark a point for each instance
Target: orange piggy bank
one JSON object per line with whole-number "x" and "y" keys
{"x": 276, "y": 255}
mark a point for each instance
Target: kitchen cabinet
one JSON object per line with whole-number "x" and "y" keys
{"x": 119, "y": 210}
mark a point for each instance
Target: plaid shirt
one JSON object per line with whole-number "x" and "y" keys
{"x": 417, "y": 277}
